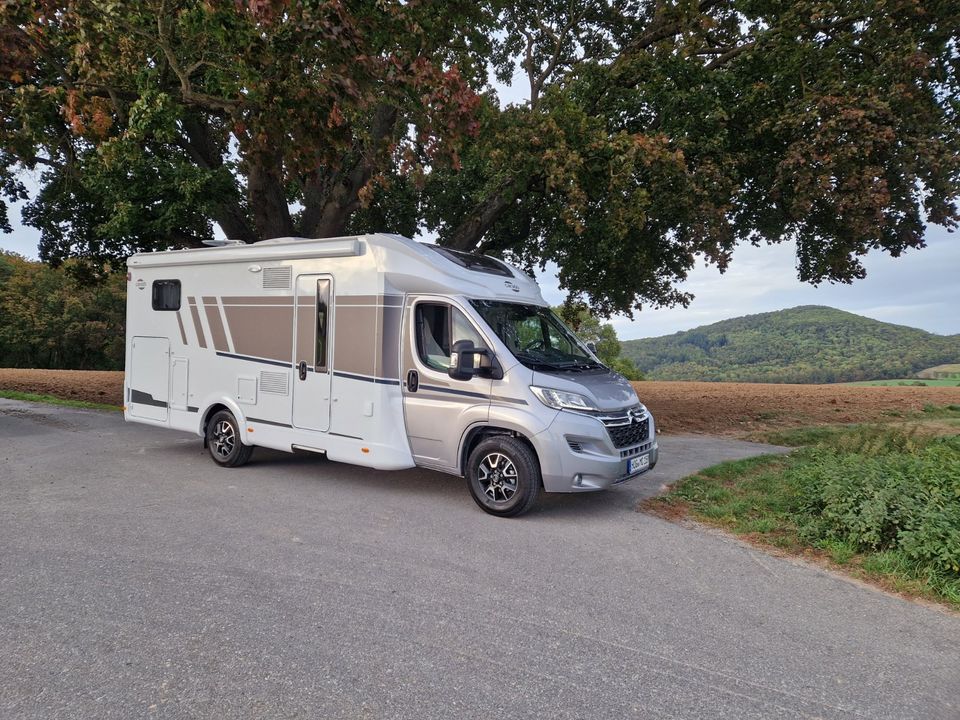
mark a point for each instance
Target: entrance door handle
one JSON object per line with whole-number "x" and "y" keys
{"x": 413, "y": 381}
{"x": 302, "y": 367}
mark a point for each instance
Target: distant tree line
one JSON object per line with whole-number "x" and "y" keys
{"x": 799, "y": 345}
{"x": 60, "y": 318}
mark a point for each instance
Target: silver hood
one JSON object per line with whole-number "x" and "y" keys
{"x": 608, "y": 390}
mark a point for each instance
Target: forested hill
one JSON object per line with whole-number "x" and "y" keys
{"x": 807, "y": 344}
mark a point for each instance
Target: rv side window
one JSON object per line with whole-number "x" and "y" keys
{"x": 436, "y": 325}
{"x": 166, "y": 294}
{"x": 323, "y": 305}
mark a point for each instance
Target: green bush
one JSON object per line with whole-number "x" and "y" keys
{"x": 883, "y": 489}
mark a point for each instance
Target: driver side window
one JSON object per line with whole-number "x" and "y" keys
{"x": 438, "y": 327}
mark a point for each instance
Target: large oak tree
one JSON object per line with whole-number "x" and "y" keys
{"x": 656, "y": 131}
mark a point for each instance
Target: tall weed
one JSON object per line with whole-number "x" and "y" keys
{"x": 882, "y": 488}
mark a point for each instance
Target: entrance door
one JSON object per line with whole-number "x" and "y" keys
{"x": 312, "y": 354}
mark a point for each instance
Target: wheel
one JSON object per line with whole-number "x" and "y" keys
{"x": 503, "y": 476}
{"x": 223, "y": 440}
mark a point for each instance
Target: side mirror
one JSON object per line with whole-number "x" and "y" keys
{"x": 463, "y": 363}
{"x": 461, "y": 360}
{"x": 592, "y": 347}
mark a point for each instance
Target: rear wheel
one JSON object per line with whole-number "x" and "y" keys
{"x": 223, "y": 440}
{"x": 503, "y": 476}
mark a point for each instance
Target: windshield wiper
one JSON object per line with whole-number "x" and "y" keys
{"x": 535, "y": 363}
{"x": 590, "y": 365}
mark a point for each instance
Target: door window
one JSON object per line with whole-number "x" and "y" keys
{"x": 438, "y": 327}
{"x": 323, "y": 310}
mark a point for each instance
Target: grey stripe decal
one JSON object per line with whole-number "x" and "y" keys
{"x": 497, "y": 398}
{"x": 142, "y": 398}
{"x": 267, "y": 422}
{"x": 367, "y": 378}
{"x": 465, "y": 393}
{"x": 255, "y": 359}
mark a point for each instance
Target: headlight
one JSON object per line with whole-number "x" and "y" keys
{"x": 561, "y": 399}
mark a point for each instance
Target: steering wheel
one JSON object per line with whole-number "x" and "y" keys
{"x": 535, "y": 345}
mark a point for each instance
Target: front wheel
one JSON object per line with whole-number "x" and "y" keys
{"x": 223, "y": 441}
{"x": 503, "y": 476}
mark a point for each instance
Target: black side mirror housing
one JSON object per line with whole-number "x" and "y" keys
{"x": 463, "y": 366}
{"x": 461, "y": 360}
{"x": 592, "y": 347}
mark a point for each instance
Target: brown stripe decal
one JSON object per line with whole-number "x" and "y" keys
{"x": 389, "y": 366}
{"x": 183, "y": 333}
{"x": 355, "y": 345}
{"x": 216, "y": 324}
{"x": 390, "y": 300}
{"x": 257, "y": 300}
{"x": 195, "y": 314}
{"x": 264, "y": 332}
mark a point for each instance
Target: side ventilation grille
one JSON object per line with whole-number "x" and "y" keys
{"x": 277, "y": 278}
{"x": 275, "y": 383}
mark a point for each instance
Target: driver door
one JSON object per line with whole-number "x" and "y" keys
{"x": 438, "y": 410}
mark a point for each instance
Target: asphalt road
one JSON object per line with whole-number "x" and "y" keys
{"x": 139, "y": 580}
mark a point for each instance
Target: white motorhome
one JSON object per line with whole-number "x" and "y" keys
{"x": 378, "y": 351}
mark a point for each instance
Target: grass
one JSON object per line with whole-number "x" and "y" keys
{"x": 878, "y": 502}
{"x": 932, "y": 420}
{"x": 909, "y": 382}
{"x": 53, "y": 400}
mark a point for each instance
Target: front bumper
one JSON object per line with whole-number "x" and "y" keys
{"x": 577, "y": 455}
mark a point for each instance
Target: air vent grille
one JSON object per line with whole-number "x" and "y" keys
{"x": 275, "y": 383}
{"x": 277, "y": 278}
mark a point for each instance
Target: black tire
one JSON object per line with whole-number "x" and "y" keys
{"x": 503, "y": 476}
{"x": 223, "y": 441}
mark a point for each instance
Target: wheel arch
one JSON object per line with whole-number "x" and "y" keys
{"x": 476, "y": 434}
{"x": 215, "y": 406}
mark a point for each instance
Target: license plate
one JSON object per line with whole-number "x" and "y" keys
{"x": 638, "y": 464}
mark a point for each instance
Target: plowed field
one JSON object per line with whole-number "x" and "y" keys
{"x": 680, "y": 407}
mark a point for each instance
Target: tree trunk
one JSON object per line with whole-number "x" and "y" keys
{"x": 206, "y": 150}
{"x": 266, "y": 195}
{"x": 330, "y": 200}
{"x": 470, "y": 232}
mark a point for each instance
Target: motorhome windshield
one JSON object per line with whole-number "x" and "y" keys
{"x": 535, "y": 336}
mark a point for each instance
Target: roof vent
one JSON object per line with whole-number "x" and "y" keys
{"x": 277, "y": 278}
{"x": 223, "y": 242}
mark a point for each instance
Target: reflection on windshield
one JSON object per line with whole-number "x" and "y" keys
{"x": 535, "y": 336}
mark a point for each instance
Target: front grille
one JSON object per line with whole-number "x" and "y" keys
{"x": 627, "y": 427}
{"x": 634, "y": 451}
{"x": 633, "y": 434}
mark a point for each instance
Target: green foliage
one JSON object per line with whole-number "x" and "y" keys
{"x": 590, "y": 329}
{"x": 152, "y": 120}
{"x": 807, "y": 344}
{"x": 881, "y": 498}
{"x": 60, "y": 317}
{"x": 884, "y": 490}
{"x": 656, "y": 134}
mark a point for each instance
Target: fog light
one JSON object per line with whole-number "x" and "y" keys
{"x": 578, "y": 480}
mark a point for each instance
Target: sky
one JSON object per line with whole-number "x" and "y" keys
{"x": 920, "y": 289}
